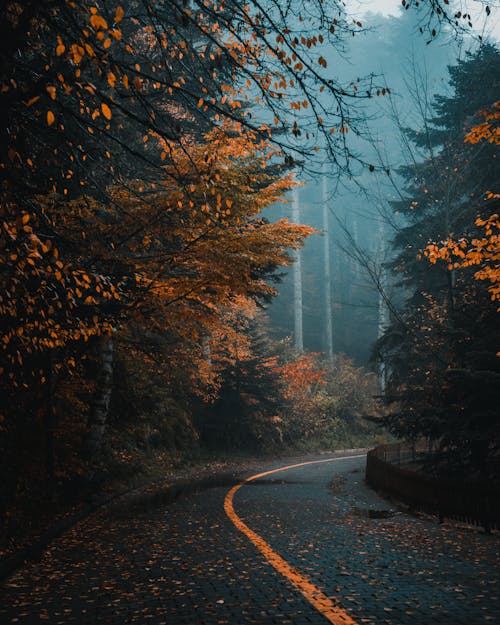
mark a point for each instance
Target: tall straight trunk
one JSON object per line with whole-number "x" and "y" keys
{"x": 383, "y": 311}
{"x": 346, "y": 296}
{"x": 96, "y": 425}
{"x": 326, "y": 271}
{"x": 297, "y": 281}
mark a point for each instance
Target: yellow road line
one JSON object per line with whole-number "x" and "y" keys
{"x": 325, "y": 605}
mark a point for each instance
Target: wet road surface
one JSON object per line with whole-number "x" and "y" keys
{"x": 186, "y": 563}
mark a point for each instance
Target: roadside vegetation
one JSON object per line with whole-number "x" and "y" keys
{"x": 143, "y": 146}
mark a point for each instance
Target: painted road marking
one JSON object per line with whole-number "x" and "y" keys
{"x": 325, "y": 605}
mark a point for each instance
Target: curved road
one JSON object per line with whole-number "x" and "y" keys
{"x": 313, "y": 554}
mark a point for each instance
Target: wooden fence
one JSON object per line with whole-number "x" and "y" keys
{"x": 476, "y": 502}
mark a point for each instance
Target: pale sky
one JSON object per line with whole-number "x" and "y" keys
{"x": 474, "y": 7}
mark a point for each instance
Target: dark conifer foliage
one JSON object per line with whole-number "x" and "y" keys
{"x": 441, "y": 352}
{"x": 244, "y": 415}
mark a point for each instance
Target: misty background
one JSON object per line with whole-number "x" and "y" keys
{"x": 340, "y": 276}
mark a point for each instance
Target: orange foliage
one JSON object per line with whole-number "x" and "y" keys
{"x": 482, "y": 251}
{"x": 489, "y": 130}
{"x": 208, "y": 227}
{"x": 176, "y": 256}
{"x": 200, "y": 268}
{"x": 45, "y": 301}
{"x": 302, "y": 378}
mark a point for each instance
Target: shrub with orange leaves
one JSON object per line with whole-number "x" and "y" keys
{"x": 326, "y": 402}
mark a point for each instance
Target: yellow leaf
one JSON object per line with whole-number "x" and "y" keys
{"x": 106, "y": 111}
{"x": 111, "y": 79}
{"x": 119, "y": 14}
{"x": 51, "y": 91}
{"x": 50, "y": 118}
{"x": 25, "y": 219}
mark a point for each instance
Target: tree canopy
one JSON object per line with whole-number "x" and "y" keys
{"x": 441, "y": 351}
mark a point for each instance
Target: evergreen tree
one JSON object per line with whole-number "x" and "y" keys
{"x": 441, "y": 351}
{"x": 245, "y": 413}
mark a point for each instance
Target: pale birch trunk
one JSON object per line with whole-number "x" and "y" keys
{"x": 326, "y": 271}
{"x": 346, "y": 294}
{"x": 356, "y": 267}
{"x": 96, "y": 424}
{"x": 297, "y": 281}
{"x": 383, "y": 311}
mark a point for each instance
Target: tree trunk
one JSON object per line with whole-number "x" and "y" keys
{"x": 383, "y": 312}
{"x": 327, "y": 272}
{"x": 98, "y": 416}
{"x": 297, "y": 281}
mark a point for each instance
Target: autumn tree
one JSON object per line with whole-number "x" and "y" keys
{"x": 441, "y": 350}
{"x": 86, "y": 87}
{"x": 169, "y": 275}
{"x": 130, "y": 179}
{"x": 95, "y": 98}
{"x": 482, "y": 252}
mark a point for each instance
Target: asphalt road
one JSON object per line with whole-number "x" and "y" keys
{"x": 314, "y": 555}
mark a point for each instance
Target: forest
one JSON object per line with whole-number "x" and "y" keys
{"x": 236, "y": 229}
